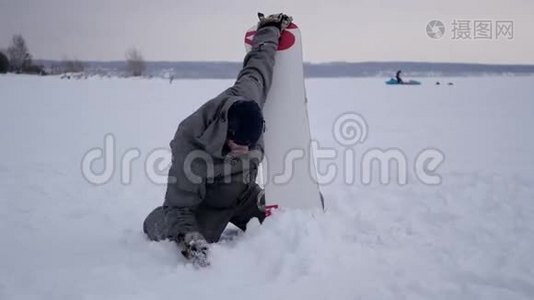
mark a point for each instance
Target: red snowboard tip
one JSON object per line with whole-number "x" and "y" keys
{"x": 287, "y": 39}
{"x": 292, "y": 26}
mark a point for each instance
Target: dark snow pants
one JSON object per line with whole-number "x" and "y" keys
{"x": 211, "y": 221}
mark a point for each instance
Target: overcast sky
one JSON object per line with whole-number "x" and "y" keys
{"x": 333, "y": 30}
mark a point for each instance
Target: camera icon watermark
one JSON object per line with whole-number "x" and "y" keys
{"x": 435, "y": 29}
{"x": 466, "y": 29}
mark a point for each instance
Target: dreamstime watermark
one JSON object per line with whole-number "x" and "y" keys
{"x": 350, "y": 130}
{"x": 465, "y": 29}
{"x": 349, "y": 159}
{"x": 155, "y": 166}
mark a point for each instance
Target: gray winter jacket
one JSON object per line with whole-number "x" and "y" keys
{"x": 202, "y": 174}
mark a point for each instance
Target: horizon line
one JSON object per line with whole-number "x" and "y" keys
{"x": 305, "y": 62}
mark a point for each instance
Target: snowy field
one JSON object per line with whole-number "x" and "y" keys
{"x": 470, "y": 237}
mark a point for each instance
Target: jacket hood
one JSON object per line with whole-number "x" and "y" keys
{"x": 213, "y": 138}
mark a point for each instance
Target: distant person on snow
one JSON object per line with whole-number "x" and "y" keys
{"x": 397, "y": 76}
{"x": 216, "y": 152}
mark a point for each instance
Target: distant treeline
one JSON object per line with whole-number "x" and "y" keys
{"x": 229, "y": 70}
{"x": 16, "y": 58}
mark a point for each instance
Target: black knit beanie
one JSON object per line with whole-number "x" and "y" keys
{"x": 245, "y": 122}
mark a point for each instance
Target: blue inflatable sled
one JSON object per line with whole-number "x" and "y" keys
{"x": 393, "y": 81}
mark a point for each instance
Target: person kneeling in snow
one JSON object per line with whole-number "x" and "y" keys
{"x": 215, "y": 156}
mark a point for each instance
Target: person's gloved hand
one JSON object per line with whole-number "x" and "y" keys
{"x": 196, "y": 249}
{"x": 280, "y": 21}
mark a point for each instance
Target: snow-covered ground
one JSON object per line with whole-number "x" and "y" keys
{"x": 471, "y": 237}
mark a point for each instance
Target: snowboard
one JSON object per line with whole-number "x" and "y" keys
{"x": 288, "y": 173}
